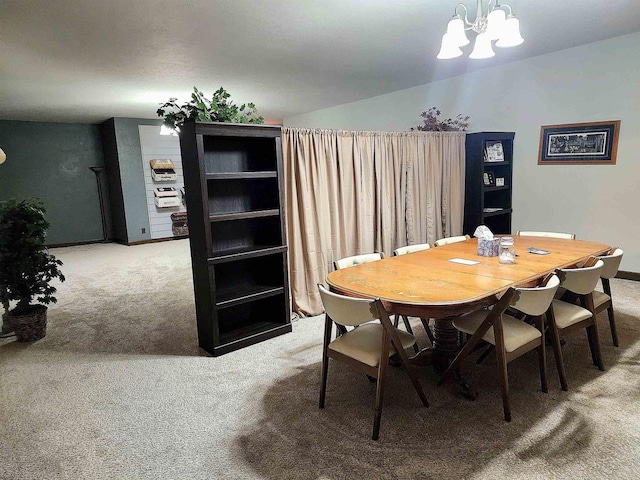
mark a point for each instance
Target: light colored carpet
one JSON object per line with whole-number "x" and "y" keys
{"x": 118, "y": 389}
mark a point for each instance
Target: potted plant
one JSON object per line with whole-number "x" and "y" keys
{"x": 219, "y": 109}
{"x": 26, "y": 267}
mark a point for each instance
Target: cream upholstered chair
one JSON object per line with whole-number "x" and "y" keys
{"x": 529, "y": 233}
{"x": 366, "y": 348}
{"x": 411, "y": 249}
{"x": 354, "y": 260}
{"x": 405, "y": 319}
{"x": 511, "y": 336}
{"x": 603, "y": 301}
{"x": 448, "y": 240}
{"x": 567, "y": 317}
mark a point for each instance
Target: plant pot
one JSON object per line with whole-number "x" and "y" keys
{"x": 30, "y": 326}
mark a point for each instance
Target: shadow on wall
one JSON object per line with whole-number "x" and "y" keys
{"x": 455, "y": 438}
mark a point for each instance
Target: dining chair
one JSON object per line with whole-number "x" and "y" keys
{"x": 566, "y": 317}
{"x": 448, "y": 240}
{"x": 603, "y": 300}
{"x": 529, "y": 233}
{"x": 405, "y": 318}
{"x": 511, "y": 337}
{"x": 411, "y": 249}
{"x": 354, "y": 260}
{"x": 366, "y": 348}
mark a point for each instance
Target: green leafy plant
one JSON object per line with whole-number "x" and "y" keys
{"x": 219, "y": 109}
{"x": 431, "y": 122}
{"x": 26, "y": 267}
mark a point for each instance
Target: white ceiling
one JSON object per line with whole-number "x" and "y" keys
{"x": 88, "y": 60}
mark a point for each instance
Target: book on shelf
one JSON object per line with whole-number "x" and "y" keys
{"x": 493, "y": 152}
{"x": 492, "y": 209}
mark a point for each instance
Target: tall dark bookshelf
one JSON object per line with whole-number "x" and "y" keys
{"x": 235, "y": 207}
{"x": 488, "y": 205}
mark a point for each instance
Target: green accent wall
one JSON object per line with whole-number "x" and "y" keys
{"x": 51, "y": 161}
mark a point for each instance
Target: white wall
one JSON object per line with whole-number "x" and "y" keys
{"x": 599, "y": 81}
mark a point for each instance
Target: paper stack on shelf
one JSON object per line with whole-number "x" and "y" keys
{"x": 166, "y": 197}
{"x": 493, "y": 152}
{"x": 162, "y": 170}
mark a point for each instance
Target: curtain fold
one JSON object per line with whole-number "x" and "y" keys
{"x": 348, "y": 193}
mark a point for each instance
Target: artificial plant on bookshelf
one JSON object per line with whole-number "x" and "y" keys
{"x": 233, "y": 183}
{"x": 488, "y": 181}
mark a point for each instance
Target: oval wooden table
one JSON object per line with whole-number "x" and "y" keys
{"x": 426, "y": 284}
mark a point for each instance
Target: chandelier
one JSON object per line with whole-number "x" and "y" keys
{"x": 495, "y": 25}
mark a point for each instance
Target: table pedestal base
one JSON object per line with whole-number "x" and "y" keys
{"x": 442, "y": 353}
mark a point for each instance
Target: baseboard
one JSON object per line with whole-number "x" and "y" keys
{"x": 628, "y": 276}
{"x": 74, "y": 244}
{"x": 156, "y": 240}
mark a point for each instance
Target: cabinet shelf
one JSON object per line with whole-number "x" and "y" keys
{"x": 241, "y": 175}
{"x": 502, "y": 211}
{"x": 231, "y": 254}
{"x": 231, "y": 297}
{"x": 223, "y": 217}
{"x": 488, "y": 164}
{"x": 249, "y": 335}
{"x": 494, "y": 189}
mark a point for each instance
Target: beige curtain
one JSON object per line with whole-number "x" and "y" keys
{"x": 349, "y": 193}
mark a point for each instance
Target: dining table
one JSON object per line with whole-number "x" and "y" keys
{"x": 444, "y": 282}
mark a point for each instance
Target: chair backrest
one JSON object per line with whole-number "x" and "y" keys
{"x": 411, "y": 249}
{"x": 354, "y": 260}
{"x": 448, "y": 240}
{"x": 347, "y": 311}
{"x": 529, "y": 233}
{"x": 535, "y": 301}
{"x": 611, "y": 263}
{"x": 581, "y": 280}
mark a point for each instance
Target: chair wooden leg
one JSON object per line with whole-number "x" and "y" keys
{"x": 396, "y": 320}
{"x": 612, "y": 325}
{"x": 407, "y": 325}
{"x": 594, "y": 328}
{"x": 542, "y": 364}
{"x": 592, "y": 332}
{"x": 592, "y": 345}
{"x": 485, "y": 354}
{"x": 557, "y": 348}
{"x": 325, "y": 360}
{"x": 504, "y": 384}
{"x": 606, "y": 285}
{"x": 501, "y": 360}
{"x": 427, "y": 328}
{"x": 382, "y": 374}
{"x": 542, "y": 357}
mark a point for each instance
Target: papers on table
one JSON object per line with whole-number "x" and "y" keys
{"x": 463, "y": 261}
{"x": 538, "y": 251}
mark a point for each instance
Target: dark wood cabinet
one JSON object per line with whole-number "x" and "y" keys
{"x": 235, "y": 205}
{"x": 487, "y": 202}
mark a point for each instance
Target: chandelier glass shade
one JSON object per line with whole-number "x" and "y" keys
{"x": 496, "y": 25}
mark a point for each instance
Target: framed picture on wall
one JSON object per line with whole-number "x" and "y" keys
{"x": 593, "y": 143}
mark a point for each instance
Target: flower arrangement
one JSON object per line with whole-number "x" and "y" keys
{"x": 431, "y": 122}
{"x": 219, "y": 109}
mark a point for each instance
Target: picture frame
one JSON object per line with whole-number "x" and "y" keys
{"x": 489, "y": 179}
{"x": 591, "y": 143}
{"x": 499, "y": 181}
